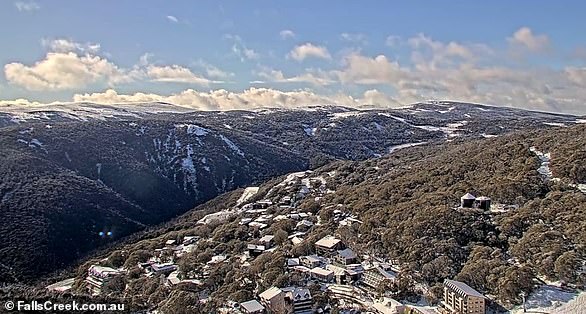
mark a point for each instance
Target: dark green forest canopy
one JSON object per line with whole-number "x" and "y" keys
{"x": 407, "y": 202}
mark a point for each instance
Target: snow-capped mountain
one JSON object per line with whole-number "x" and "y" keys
{"x": 71, "y": 171}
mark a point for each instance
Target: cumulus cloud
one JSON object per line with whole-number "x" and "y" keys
{"x": 524, "y": 38}
{"x": 27, "y": 6}
{"x": 286, "y": 34}
{"x": 361, "y": 69}
{"x": 174, "y": 73}
{"x": 307, "y": 50}
{"x": 59, "y": 71}
{"x": 222, "y": 99}
{"x": 71, "y": 66}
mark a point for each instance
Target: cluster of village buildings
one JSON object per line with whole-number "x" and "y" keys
{"x": 335, "y": 267}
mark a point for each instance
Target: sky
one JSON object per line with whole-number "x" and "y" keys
{"x": 220, "y": 55}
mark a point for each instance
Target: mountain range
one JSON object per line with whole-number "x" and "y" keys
{"x": 75, "y": 177}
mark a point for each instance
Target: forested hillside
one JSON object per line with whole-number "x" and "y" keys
{"x": 408, "y": 204}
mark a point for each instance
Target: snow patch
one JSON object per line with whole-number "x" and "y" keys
{"x": 232, "y": 146}
{"x": 555, "y": 124}
{"x": 309, "y": 130}
{"x": 398, "y": 147}
{"x": 547, "y": 299}
{"x": 544, "y": 158}
{"x": 247, "y": 194}
{"x": 193, "y": 129}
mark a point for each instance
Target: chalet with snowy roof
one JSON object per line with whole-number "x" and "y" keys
{"x": 321, "y": 274}
{"x": 346, "y": 257}
{"x": 273, "y": 299}
{"x": 376, "y": 276}
{"x": 292, "y": 262}
{"x": 328, "y": 244}
{"x": 252, "y": 307}
{"x": 460, "y": 298}
{"x": 159, "y": 269}
{"x": 303, "y": 225}
{"x": 312, "y": 261}
{"x": 187, "y": 240}
{"x": 99, "y": 276}
{"x": 267, "y": 241}
{"x": 255, "y": 250}
{"x": 300, "y": 300}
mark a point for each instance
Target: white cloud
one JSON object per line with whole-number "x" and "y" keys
{"x": 524, "y": 38}
{"x": 60, "y": 71}
{"x": 66, "y": 45}
{"x": 27, "y": 6}
{"x": 360, "y": 69}
{"x": 72, "y": 66}
{"x": 241, "y": 50}
{"x": 213, "y": 71}
{"x": 307, "y": 50}
{"x": 172, "y": 19}
{"x": 316, "y": 77}
{"x": 286, "y": 34}
{"x": 174, "y": 73}
{"x": 355, "y": 38}
{"x": 219, "y": 99}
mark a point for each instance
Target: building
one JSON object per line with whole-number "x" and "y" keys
{"x": 159, "y": 269}
{"x": 255, "y": 250}
{"x": 471, "y": 201}
{"x": 483, "y": 203}
{"x": 329, "y": 244}
{"x": 321, "y": 274}
{"x": 267, "y": 241}
{"x": 98, "y": 276}
{"x": 273, "y": 300}
{"x": 252, "y": 307}
{"x": 376, "y": 276}
{"x": 300, "y": 300}
{"x": 312, "y": 261}
{"x": 467, "y": 201}
{"x": 389, "y": 306}
{"x": 346, "y": 257}
{"x": 459, "y": 298}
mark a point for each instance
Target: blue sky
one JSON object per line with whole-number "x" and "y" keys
{"x": 224, "y": 55}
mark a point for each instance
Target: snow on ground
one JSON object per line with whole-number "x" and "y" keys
{"x": 247, "y": 194}
{"x": 232, "y": 146}
{"x": 378, "y": 126}
{"x": 309, "y": 130}
{"x": 580, "y": 186}
{"x": 555, "y": 124}
{"x": 343, "y": 115}
{"x": 62, "y": 285}
{"x": 397, "y": 147}
{"x": 84, "y": 111}
{"x": 446, "y": 111}
{"x": 577, "y": 305}
{"x": 581, "y": 121}
{"x": 549, "y": 299}
{"x": 193, "y": 129}
{"x": 544, "y": 158}
{"x": 488, "y": 135}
